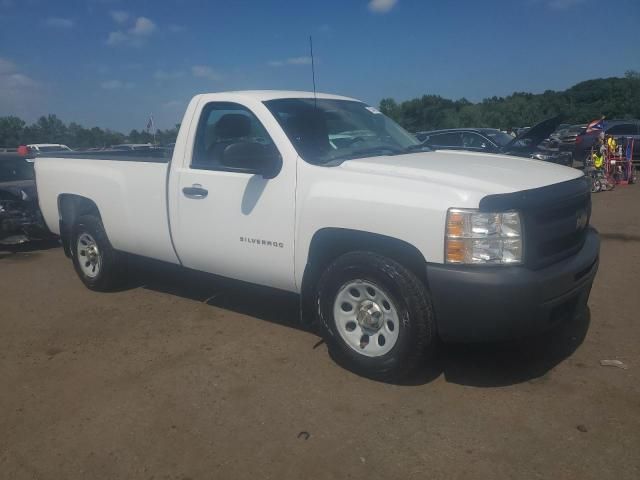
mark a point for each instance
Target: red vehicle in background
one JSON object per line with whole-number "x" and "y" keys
{"x": 629, "y": 129}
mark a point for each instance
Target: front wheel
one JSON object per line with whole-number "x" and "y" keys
{"x": 98, "y": 265}
{"x": 376, "y": 316}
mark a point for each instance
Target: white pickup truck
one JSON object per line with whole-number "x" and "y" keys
{"x": 390, "y": 245}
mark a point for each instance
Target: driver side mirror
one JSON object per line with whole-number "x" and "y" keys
{"x": 253, "y": 157}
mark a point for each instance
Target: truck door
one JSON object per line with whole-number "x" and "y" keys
{"x": 226, "y": 217}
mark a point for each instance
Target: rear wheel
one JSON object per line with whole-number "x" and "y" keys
{"x": 97, "y": 264}
{"x": 376, "y": 316}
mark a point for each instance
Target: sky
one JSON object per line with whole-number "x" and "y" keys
{"x": 112, "y": 63}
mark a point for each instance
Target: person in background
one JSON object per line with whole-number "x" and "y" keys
{"x": 611, "y": 145}
{"x": 600, "y": 152}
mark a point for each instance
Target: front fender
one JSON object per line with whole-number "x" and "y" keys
{"x": 398, "y": 208}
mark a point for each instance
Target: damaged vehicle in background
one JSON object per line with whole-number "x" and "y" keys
{"x": 20, "y": 217}
{"x": 491, "y": 140}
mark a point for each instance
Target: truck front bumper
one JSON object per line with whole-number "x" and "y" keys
{"x": 474, "y": 304}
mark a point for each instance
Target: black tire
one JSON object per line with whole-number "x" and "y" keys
{"x": 112, "y": 272}
{"x": 416, "y": 340}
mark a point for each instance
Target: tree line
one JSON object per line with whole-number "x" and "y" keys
{"x": 50, "y": 129}
{"x": 612, "y": 97}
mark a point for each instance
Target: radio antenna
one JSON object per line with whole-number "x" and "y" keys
{"x": 313, "y": 72}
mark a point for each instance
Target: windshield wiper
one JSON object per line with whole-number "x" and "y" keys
{"x": 365, "y": 152}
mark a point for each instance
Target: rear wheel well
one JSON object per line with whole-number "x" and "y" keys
{"x": 329, "y": 243}
{"x": 70, "y": 208}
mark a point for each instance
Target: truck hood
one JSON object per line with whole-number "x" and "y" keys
{"x": 482, "y": 173}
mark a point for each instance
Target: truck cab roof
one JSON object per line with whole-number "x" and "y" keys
{"x": 265, "y": 95}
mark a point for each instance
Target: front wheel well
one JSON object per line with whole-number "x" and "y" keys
{"x": 70, "y": 208}
{"x": 328, "y": 244}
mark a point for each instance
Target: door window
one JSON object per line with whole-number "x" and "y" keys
{"x": 222, "y": 125}
{"x": 450, "y": 139}
{"x": 473, "y": 141}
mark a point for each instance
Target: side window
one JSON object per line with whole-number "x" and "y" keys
{"x": 623, "y": 129}
{"x": 451, "y": 139}
{"x": 473, "y": 140}
{"x": 222, "y": 125}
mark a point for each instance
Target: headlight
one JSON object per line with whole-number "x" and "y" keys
{"x": 481, "y": 238}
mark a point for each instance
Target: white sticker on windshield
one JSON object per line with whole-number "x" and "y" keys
{"x": 373, "y": 110}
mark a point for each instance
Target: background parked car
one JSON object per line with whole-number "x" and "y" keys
{"x": 565, "y": 134}
{"x": 488, "y": 140}
{"x": 562, "y": 127}
{"x": 491, "y": 140}
{"x": 616, "y": 128}
{"x": 565, "y": 139}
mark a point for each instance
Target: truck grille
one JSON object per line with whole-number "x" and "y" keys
{"x": 555, "y": 232}
{"x": 555, "y": 218}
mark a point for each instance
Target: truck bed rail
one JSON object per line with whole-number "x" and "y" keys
{"x": 152, "y": 155}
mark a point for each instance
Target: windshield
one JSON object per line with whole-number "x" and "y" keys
{"x": 331, "y": 131}
{"x": 499, "y": 138}
{"x": 15, "y": 170}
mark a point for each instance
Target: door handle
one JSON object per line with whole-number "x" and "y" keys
{"x": 195, "y": 192}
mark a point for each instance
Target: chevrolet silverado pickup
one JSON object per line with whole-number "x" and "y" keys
{"x": 391, "y": 246}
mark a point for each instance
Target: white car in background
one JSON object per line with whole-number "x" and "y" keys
{"x": 48, "y": 148}
{"x": 131, "y": 146}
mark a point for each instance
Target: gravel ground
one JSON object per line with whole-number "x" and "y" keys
{"x": 185, "y": 376}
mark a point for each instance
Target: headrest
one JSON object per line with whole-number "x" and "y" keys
{"x": 233, "y": 125}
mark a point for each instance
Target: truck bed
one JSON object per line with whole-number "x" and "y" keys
{"x": 128, "y": 187}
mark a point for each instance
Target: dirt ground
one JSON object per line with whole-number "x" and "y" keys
{"x": 188, "y": 377}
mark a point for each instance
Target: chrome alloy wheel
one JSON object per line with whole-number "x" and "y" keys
{"x": 89, "y": 257}
{"x": 366, "y": 318}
